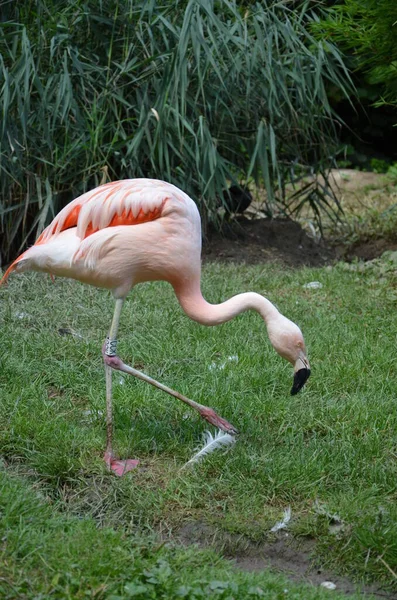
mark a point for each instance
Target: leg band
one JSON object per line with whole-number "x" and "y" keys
{"x": 110, "y": 347}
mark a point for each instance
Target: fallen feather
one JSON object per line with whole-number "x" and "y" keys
{"x": 313, "y": 285}
{"x": 282, "y": 524}
{"x": 214, "y": 366}
{"x": 328, "y": 585}
{"x": 221, "y": 366}
{"x": 68, "y": 331}
{"x": 321, "y": 509}
{"x": 211, "y": 443}
{"x": 22, "y": 315}
{"x": 336, "y": 524}
{"x": 92, "y": 414}
{"x": 156, "y": 114}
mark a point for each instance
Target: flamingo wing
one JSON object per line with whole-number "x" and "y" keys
{"x": 126, "y": 202}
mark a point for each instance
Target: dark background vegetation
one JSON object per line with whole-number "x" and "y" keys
{"x": 203, "y": 94}
{"x": 366, "y": 31}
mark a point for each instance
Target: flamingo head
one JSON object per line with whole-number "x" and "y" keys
{"x": 287, "y": 339}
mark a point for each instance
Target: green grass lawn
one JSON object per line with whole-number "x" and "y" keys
{"x": 70, "y": 529}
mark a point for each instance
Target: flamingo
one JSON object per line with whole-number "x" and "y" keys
{"x": 134, "y": 230}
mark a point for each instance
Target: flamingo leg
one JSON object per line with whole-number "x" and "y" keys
{"x": 207, "y": 413}
{"x": 109, "y": 350}
{"x": 112, "y": 361}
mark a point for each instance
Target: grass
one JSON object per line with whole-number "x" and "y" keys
{"x": 370, "y": 210}
{"x": 48, "y": 554}
{"x": 330, "y": 450}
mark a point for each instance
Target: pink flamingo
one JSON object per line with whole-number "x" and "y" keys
{"x": 126, "y": 232}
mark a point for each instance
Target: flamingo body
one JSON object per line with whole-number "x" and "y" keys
{"x": 120, "y": 234}
{"x": 126, "y": 232}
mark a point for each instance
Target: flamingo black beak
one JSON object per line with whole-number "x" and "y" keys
{"x": 301, "y": 375}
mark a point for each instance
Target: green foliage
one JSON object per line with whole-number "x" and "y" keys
{"x": 368, "y": 29}
{"x": 392, "y": 173}
{"x": 193, "y": 92}
{"x": 374, "y": 225}
{"x": 49, "y": 554}
{"x": 378, "y": 165}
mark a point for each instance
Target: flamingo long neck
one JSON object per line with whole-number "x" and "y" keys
{"x": 198, "y": 309}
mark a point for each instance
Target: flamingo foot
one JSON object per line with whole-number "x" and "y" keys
{"x": 210, "y": 415}
{"x": 120, "y": 467}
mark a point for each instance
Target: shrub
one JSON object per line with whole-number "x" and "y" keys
{"x": 368, "y": 30}
{"x": 195, "y": 92}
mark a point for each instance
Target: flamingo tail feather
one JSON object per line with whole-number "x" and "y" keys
{"x": 13, "y": 266}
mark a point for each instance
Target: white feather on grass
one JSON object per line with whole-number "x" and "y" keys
{"x": 282, "y": 524}
{"x": 220, "y": 366}
{"x": 211, "y": 443}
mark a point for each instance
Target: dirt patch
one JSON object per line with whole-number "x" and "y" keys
{"x": 294, "y": 558}
{"x": 366, "y": 250}
{"x": 255, "y": 241}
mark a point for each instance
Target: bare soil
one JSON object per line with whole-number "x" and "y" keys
{"x": 254, "y": 239}
{"x": 293, "y": 557}
{"x": 266, "y": 240}
{"x": 366, "y": 249}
